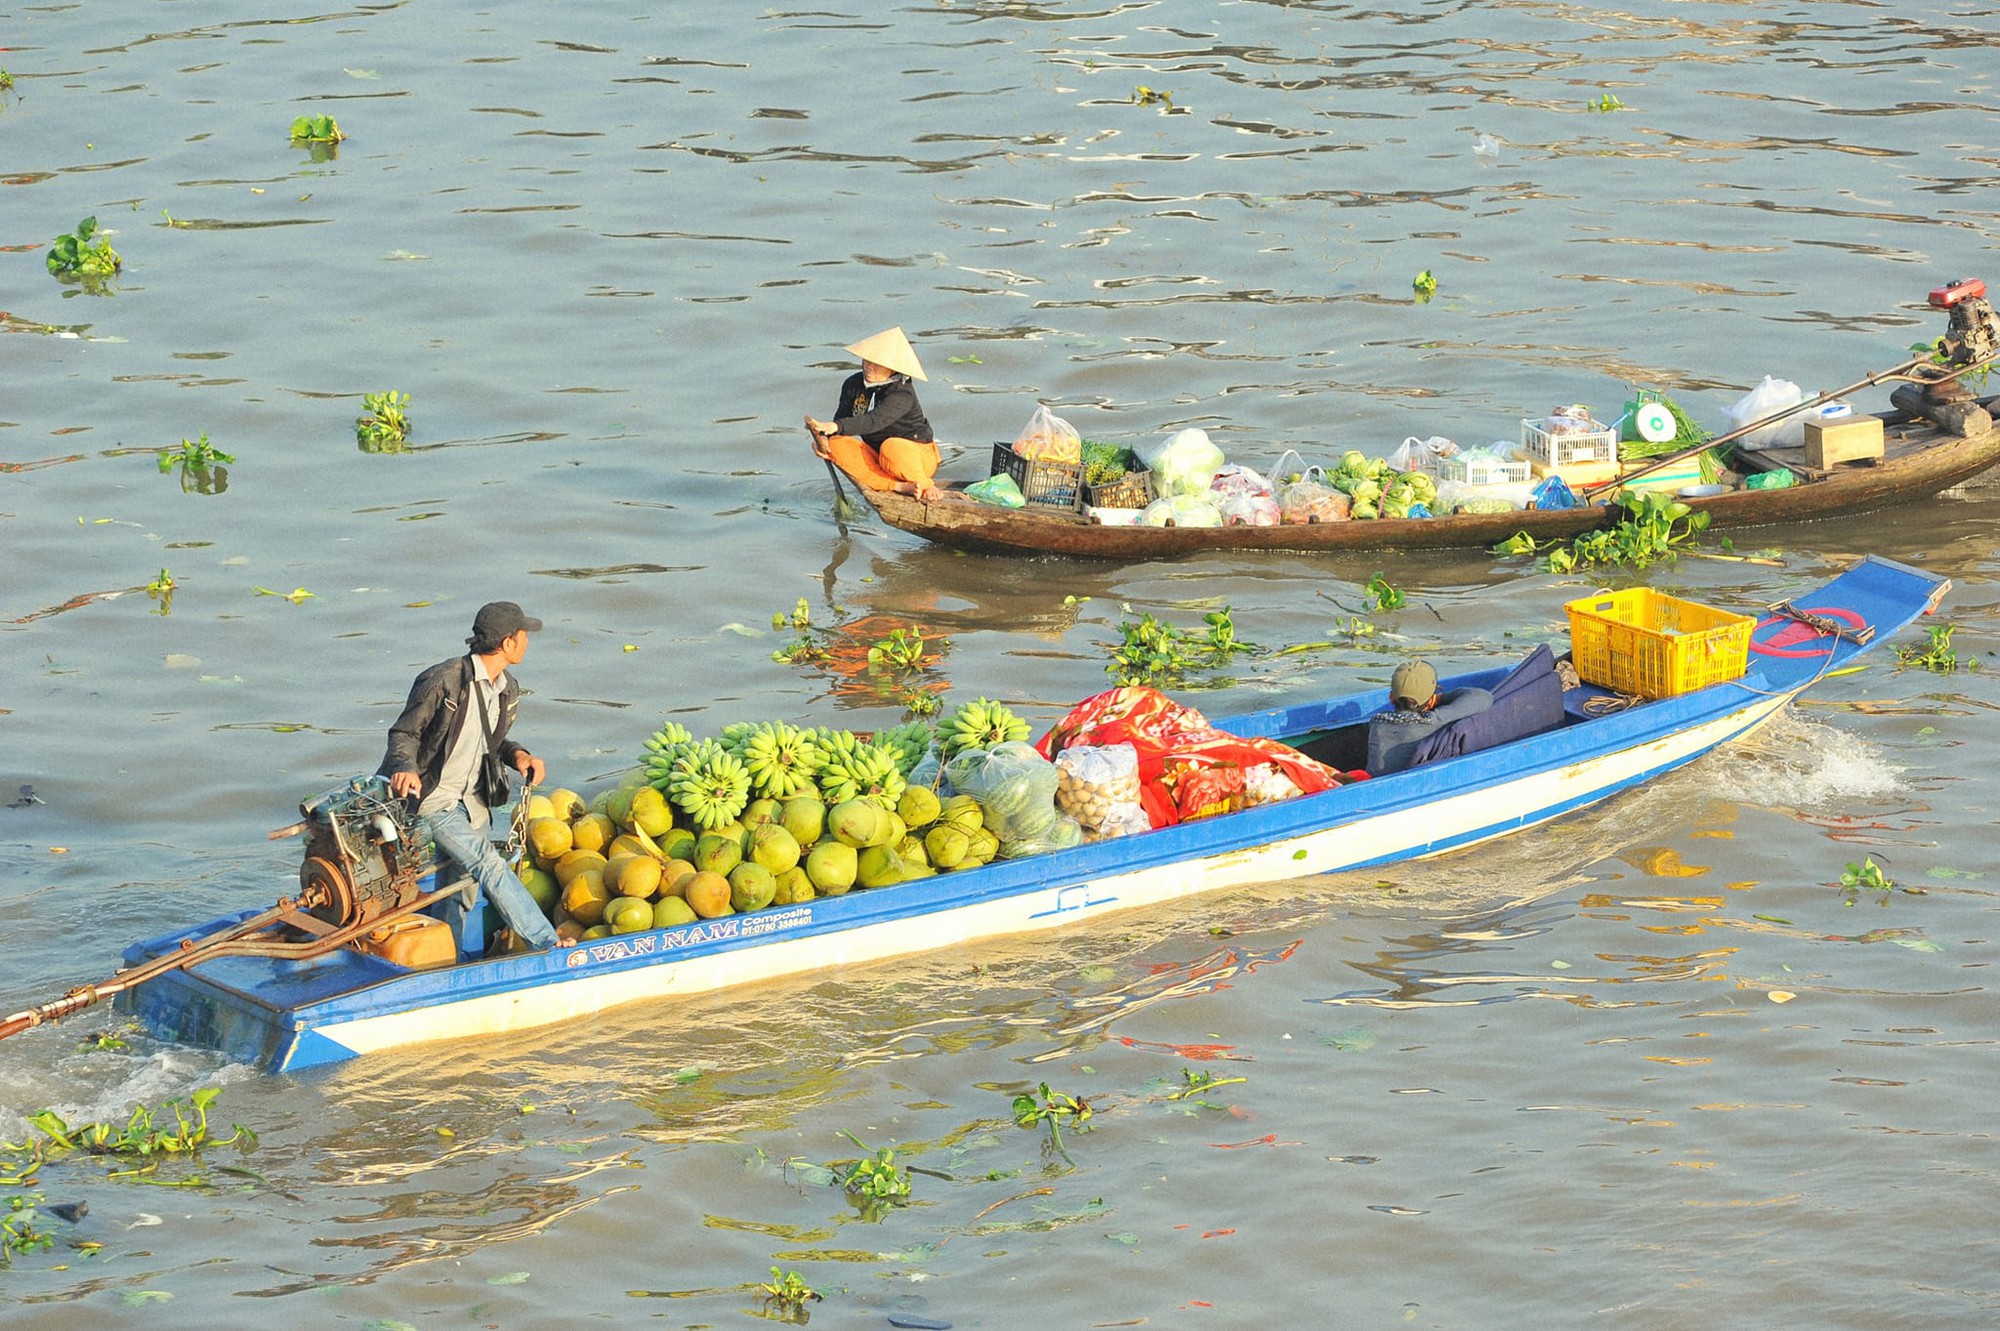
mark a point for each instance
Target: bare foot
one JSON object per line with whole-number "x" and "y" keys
{"x": 930, "y": 494}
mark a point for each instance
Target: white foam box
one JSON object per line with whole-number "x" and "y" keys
{"x": 1837, "y": 439}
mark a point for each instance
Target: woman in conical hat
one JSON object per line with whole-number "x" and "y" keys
{"x": 879, "y": 434}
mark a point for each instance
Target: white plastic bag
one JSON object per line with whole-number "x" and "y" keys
{"x": 1015, "y": 787}
{"x": 1771, "y": 395}
{"x": 1097, "y": 782}
{"x": 1236, "y": 480}
{"x": 1425, "y": 455}
{"x": 1185, "y": 463}
{"x": 1311, "y": 498}
{"x": 1049, "y": 437}
{"x": 1248, "y": 510}
{"x": 1181, "y": 510}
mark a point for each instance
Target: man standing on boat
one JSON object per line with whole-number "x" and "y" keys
{"x": 1417, "y": 710}
{"x": 445, "y": 752}
{"x": 879, "y": 434}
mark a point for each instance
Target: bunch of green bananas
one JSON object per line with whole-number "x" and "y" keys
{"x": 909, "y": 742}
{"x": 709, "y": 784}
{"x": 660, "y": 750}
{"x": 863, "y": 770}
{"x": 979, "y": 724}
{"x": 782, "y": 759}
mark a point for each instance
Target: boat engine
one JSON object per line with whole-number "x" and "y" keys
{"x": 1972, "y": 330}
{"x": 364, "y": 854}
{"x": 1971, "y": 341}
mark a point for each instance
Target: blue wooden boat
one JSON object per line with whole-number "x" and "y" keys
{"x": 286, "y": 1014}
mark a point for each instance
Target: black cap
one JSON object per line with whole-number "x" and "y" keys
{"x": 497, "y": 620}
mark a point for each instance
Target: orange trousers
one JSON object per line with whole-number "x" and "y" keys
{"x": 896, "y": 461}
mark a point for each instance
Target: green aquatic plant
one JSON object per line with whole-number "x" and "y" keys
{"x": 316, "y": 129}
{"x": 1152, "y": 651}
{"x": 876, "y": 1177}
{"x": 901, "y": 650}
{"x": 1655, "y": 526}
{"x": 920, "y": 702}
{"x": 161, "y": 589}
{"x": 1424, "y": 285}
{"x": 1144, "y": 96}
{"x": 1606, "y": 102}
{"x": 1866, "y": 876}
{"x": 83, "y": 253}
{"x": 148, "y": 1132}
{"x": 1383, "y": 596}
{"x": 19, "y": 1231}
{"x": 1053, "y": 1109}
{"x": 384, "y": 423}
{"x": 203, "y": 466}
{"x": 789, "y": 1293}
{"x": 1938, "y": 654}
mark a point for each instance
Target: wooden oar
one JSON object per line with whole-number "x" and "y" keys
{"x": 1668, "y": 459}
{"x": 844, "y": 509}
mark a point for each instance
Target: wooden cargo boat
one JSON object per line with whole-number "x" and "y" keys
{"x": 286, "y": 1014}
{"x": 1918, "y": 461}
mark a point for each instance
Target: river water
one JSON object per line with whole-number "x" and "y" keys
{"x": 612, "y": 257}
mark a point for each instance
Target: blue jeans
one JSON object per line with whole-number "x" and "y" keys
{"x": 469, "y": 847}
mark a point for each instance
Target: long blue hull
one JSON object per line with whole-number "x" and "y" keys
{"x": 282, "y": 1015}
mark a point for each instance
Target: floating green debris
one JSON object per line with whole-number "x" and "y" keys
{"x": 1607, "y": 102}
{"x": 876, "y": 1179}
{"x": 1425, "y": 285}
{"x": 1152, "y": 651}
{"x": 1054, "y": 1108}
{"x": 790, "y": 1294}
{"x": 1655, "y": 527}
{"x": 316, "y": 129}
{"x": 1383, "y": 596}
{"x": 1144, "y": 96}
{"x": 83, "y": 254}
{"x": 201, "y": 465}
{"x": 1866, "y": 876}
{"x": 384, "y": 423}
{"x": 1938, "y": 654}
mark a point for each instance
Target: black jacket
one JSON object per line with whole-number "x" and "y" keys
{"x": 433, "y": 716}
{"x": 888, "y": 410}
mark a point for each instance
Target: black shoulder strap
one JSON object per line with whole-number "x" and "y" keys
{"x": 478, "y": 704}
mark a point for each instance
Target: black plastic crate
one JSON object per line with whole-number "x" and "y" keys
{"x": 1132, "y": 490}
{"x": 1043, "y": 483}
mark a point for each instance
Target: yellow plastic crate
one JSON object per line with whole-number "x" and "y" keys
{"x": 1656, "y": 646}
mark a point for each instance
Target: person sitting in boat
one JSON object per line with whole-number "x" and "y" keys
{"x": 460, "y": 711}
{"x": 1417, "y": 711}
{"x": 879, "y": 435}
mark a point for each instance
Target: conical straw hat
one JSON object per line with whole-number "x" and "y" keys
{"x": 892, "y": 349}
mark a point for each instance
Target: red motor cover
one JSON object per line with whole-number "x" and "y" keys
{"x": 1956, "y": 290}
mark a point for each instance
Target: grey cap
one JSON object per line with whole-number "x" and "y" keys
{"x": 1414, "y": 683}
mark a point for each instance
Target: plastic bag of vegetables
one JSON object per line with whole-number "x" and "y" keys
{"x": 1049, "y": 437}
{"x": 1185, "y": 463}
{"x": 1422, "y": 455}
{"x": 1016, "y": 790}
{"x": 1181, "y": 510}
{"x": 1311, "y": 498}
{"x": 1000, "y": 490}
{"x": 1250, "y": 510}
